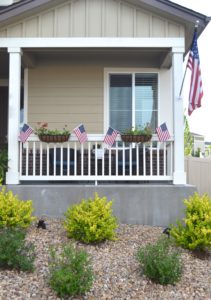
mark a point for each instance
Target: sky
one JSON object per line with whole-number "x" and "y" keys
{"x": 200, "y": 119}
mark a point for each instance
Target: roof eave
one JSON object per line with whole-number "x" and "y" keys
{"x": 22, "y": 8}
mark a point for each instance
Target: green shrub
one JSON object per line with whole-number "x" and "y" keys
{"x": 91, "y": 220}
{"x": 160, "y": 262}
{"x": 195, "y": 232}
{"x": 14, "y": 212}
{"x": 70, "y": 272}
{"x": 15, "y": 253}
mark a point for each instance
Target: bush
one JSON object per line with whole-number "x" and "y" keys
{"x": 195, "y": 232}
{"x": 91, "y": 220}
{"x": 15, "y": 253}
{"x": 70, "y": 272}
{"x": 14, "y": 212}
{"x": 160, "y": 262}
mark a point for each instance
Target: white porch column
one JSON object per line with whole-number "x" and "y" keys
{"x": 12, "y": 176}
{"x": 179, "y": 176}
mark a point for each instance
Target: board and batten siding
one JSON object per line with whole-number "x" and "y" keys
{"x": 94, "y": 18}
{"x": 64, "y": 93}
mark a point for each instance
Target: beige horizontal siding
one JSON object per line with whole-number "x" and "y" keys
{"x": 63, "y": 100}
{"x": 66, "y": 91}
{"x": 67, "y": 95}
{"x": 67, "y": 108}
{"x": 94, "y": 18}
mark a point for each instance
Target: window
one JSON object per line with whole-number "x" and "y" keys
{"x": 133, "y": 100}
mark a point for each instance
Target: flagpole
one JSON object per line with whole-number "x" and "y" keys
{"x": 196, "y": 26}
{"x": 183, "y": 81}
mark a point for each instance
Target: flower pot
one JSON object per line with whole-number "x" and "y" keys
{"x": 54, "y": 138}
{"x": 129, "y": 138}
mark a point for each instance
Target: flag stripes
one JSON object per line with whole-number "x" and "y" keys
{"x": 25, "y": 132}
{"x": 81, "y": 133}
{"x": 196, "y": 91}
{"x": 110, "y": 136}
{"x": 163, "y": 133}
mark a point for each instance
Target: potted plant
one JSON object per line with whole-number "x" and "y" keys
{"x": 50, "y": 135}
{"x": 137, "y": 134}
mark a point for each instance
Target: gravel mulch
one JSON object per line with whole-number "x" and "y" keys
{"x": 117, "y": 275}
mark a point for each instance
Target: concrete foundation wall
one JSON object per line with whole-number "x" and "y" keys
{"x": 155, "y": 205}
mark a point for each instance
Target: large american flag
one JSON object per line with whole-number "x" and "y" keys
{"x": 81, "y": 133}
{"x": 25, "y": 133}
{"x": 163, "y": 133}
{"x": 196, "y": 91}
{"x": 110, "y": 136}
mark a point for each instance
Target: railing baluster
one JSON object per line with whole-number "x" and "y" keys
{"x": 151, "y": 159}
{"x": 95, "y": 158}
{"x": 27, "y": 158}
{"x": 130, "y": 160}
{"x": 41, "y": 152}
{"x": 117, "y": 159}
{"x": 82, "y": 159}
{"x": 68, "y": 158}
{"x": 164, "y": 158}
{"x": 171, "y": 158}
{"x": 137, "y": 158}
{"x": 34, "y": 158}
{"x": 158, "y": 158}
{"x": 47, "y": 158}
{"x": 54, "y": 160}
{"x": 103, "y": 161}
{"x": 89, "y": 158}
{"x": 144, "y": 159}
{"x": 61, "y": 159}
{"x": 21, "y": 158}
{"x": 76, "y": 159}
{"x": 109, "y": 162}
{"x": 123, "y": 159}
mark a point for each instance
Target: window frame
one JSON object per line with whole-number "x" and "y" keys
{"x": 110, "y": 71}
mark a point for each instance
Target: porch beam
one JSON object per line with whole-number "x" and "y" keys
{"x": 94, "y": 42}
{"x": 179, "y": 175}
{"x": 28, "y": 60}
{"x": 12, "y": 176}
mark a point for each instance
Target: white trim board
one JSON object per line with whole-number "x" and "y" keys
{"x": 176, "y": 43}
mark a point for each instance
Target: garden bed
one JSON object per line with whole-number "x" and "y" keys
{"x": 116, "y": 270}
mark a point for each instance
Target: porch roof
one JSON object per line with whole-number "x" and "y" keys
{"x": 142, "y": 51}
{"x": 166, "y": 8}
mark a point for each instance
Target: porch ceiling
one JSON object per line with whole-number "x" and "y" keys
{"x": 139, "y": 57}
{"x": 148, "y": 57}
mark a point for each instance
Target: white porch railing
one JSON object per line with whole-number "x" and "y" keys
{"x": 39, "y": 161}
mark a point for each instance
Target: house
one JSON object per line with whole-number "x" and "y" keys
{"x": 207, "y": 149}
{"x": 100, "y": 63}
{"x": 198, "y": 143}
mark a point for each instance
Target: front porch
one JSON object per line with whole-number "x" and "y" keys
{"x": 62, "y": 89}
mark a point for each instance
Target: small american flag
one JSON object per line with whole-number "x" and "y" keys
{"x": 110, "y": 136}
{"x": 163, "y": 133}
{"x": 196, "y": 91}
{"x": 25, "y": 133}
{"x": 81, "y": 133}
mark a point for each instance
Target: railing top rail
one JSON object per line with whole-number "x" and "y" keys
{"x": 93, "y": 138}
